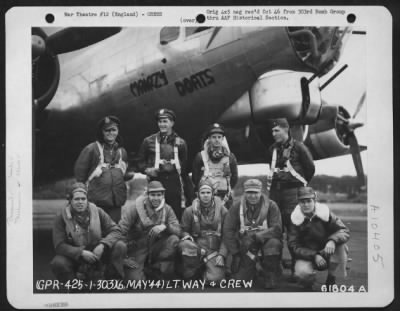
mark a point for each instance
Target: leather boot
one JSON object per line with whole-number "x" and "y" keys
{"x": 191, "y": 265}
{"x": 330, "y": 280}
{"x": 271, "y": 266}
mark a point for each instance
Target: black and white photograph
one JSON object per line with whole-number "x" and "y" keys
{"x": 202, "y": 157}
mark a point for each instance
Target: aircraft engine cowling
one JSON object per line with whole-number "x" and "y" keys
{"x": 325, "y": 144}
{"x": 285, "y": 94}
{"x": 278, "y": 94}
{"x": 45, "y": 70}
{"x": 332, "y": 135}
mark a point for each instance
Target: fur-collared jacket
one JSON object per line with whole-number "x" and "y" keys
{"x": 140, "y": 217}
{"x": 308, "y": 236}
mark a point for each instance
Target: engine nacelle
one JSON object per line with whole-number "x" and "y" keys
{"x": 278, "y": 94}
{"x": 286, "y": 94}
{"x": 327, "y": 137}
{"x": 325, "y": 144}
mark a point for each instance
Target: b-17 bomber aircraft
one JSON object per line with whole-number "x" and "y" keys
{"x": 240, "y": 77}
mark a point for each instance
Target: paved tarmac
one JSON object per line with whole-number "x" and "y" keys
{"x": 354, "y": 216}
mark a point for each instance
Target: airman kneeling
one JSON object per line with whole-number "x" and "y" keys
{"x": 201, "y": 245}
{"x": 317, "y": 239}
{"x": 252, "y": 233}
{"x": 151, "y": 232}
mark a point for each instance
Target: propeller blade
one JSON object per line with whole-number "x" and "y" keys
{"x": 359, "y": 105}
{"x": 354, "y": 124}
{"x": 355, "y": 152}
{"x": 75, "y": 38}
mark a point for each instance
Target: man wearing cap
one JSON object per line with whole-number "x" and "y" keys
{"x": 151, "y": 232}
{"x": 102, "y": 165}
{"x": 317, "y": 239}
{"x": 163, "y": 157}
{"x": 292, "y": 166}
{"x": 201, "y": 246}
{"x": 252, "y": 233}
{"x": 216, "y": 162}
{"x": 82, "y": 238}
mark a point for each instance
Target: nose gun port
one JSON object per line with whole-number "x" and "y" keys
{"x": 319, "y": 47}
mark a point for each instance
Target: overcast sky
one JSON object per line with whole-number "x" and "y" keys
{"x": 346, "y": 91}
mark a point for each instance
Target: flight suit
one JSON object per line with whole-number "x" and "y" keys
{"x": 106, "y": 188}
{"x": 284, "y": 185}
{"x": 158, "y": 256}
{"x": 224, "y": 172}
{"x": 204, "y": 225}
{"x": 257, "y": 234}
{"x": 168, "y": 174}
{"x": 70, "y": 239}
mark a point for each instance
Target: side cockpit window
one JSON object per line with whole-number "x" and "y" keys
{"x": 192, "y": 30}
{"x": 168, "y": 34}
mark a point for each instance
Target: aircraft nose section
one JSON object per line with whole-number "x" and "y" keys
{"x": 319, "y": 47}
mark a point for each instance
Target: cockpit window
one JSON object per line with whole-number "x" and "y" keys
{"x": 319, "y": 47}
{"x": 192, "y": 30}
{"x": 168, "y": 34}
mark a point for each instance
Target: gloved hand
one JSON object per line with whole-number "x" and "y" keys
{"x": 155, "y": 231}
{"x": 151, "y": 171}
{"x": 235, "y": 263}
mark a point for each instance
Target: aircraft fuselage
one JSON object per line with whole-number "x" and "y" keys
{"x": 131, "y": 75}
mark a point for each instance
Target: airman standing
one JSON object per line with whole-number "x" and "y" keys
{"x": 217, "y": 163}
{"x": 163, "y": 157}
{"x": 292, "y": 166}
{"x": 102, "y": 165}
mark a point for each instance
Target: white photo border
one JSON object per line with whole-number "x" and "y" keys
{"x": 378, "y": 22}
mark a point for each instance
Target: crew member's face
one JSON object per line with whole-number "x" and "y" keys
{"x": 156, "y": 198}
{"x": 307, "y": 206}
{"x": 165, "y": 125}
{"x": 280, "y": 134}
{"x": 110, "y": 134}
{"x": 79, "y": 202}
{"x": 253, "y": 197}
{"x": 205, "y": 196}
{"x": 216, "y": 140}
